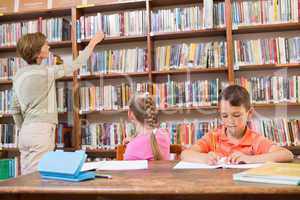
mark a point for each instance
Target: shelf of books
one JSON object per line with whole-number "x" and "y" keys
{"x": 172, "y": 52}
{"x": 182, "y": 52}
{"x": 267, "y": 63}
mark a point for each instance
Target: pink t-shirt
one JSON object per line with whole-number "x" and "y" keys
{"x": 140, "y": 147}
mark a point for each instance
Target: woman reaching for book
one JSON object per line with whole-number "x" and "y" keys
{"x": 34, "y": 105}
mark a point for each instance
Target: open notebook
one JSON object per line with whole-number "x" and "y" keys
{"x": 221, "y": 164}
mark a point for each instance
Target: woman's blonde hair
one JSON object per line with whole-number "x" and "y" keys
{"x": 30, "y": 45}
{"x": 144, "y": 110}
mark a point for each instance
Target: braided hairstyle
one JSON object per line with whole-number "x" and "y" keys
{"x": 144, "y": 110}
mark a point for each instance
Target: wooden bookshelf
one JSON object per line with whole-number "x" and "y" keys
{"x": 102, "y": 153}
{"x": 61, "y": 44}
{"x": 7, "y": 49}
{"x": 29, "y": 15}
{"x": 83, "y": 113}
{"x": 160, "y": 110}
{"x": 160, "y": 3}
{"x": 120, "y": 39}
{"x": 5, "y": 115}
{"x": 266, "y": 105}
{"x": 5, "y": 82}
{"x": 268, "y": 67}
{"x": 65, "y": 78}
{"x": 111, "y": 5}
{"x": 267, "y": 28}
{"x": 67, "y": 149}
{"x": 191, "y": 70}
{"x": 149, "y": 38}
{"x": 189, "y": 34}
{"x": 112, "y": 75}
{"x": 16, "y": 150}
{"x": 195, "y": 108}
{"x": 10, "y": 150}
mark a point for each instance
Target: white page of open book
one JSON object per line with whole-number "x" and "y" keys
{"x": 192, "y": 165}
{"x": 116, "y": 165}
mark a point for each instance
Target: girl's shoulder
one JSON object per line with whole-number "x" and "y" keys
{"x": 162, "y": 131}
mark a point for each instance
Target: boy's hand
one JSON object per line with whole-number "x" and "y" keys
{"x": 212, "y": 158}
{"x": 239, "y": 158}
{"x": 98, "y": 37}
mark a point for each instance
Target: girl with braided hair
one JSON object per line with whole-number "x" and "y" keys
{"x": 151, "y": 142}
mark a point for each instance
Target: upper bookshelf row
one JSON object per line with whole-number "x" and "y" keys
{"x": 131, "y": 20}
{"x": 149, "y": 21}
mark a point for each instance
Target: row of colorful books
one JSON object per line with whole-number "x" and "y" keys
{"x": 272, "y": 89}
{"x": 191, "y": 55}
{"x": 63, "y": 136}
{"x": 5, "y": 101}
{"x": 64, "y": 97}
{"x": 8, "y": 136}
{"x": 281, "y": 131}
{"x": 188, "y": 17}
{"x": 9, "y": 67}
{"x": 116, "y": 61}
{"x": 8, "y": 168}
{"x": 185, "y": 94}
{"x": 167, "y": 95}
{"x": 171, "y": 93}
{"x": 123, "y": 23}
{"x": 108, "y": 97}
{"x": 267, "y": 51}
{"x": 192, "y": 93}
{"x": 105, "y": 135}
{"x": 56, "y": 29}
{"x": 180, "y": 56}
{"x": 265, "y": 11}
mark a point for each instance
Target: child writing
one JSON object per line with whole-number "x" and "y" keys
{"x": 234, "y": 140}
{"x": 34, "y": 106}
{"x": 151, "y": 143}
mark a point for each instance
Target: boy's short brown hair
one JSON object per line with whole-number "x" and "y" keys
{"x": 236, "y": 95}
{"x": 30, "y": 45}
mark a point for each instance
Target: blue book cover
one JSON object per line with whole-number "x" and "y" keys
{"x": 64, "y": 166}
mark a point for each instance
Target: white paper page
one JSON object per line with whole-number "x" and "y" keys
{"x": 89, "y": 166}
{"x": 223, "y": 161}
{"x": 242, "y": 166}
{"x": 116, "y": 165}
{"x": 191, "y": 165}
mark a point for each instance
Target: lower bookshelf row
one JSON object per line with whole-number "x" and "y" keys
{"x": 282, "y": 131}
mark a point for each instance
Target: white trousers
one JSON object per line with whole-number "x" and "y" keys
{"x": 35, "y": 140}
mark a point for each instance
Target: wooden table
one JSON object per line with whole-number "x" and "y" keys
{"x": 160, "y": 181}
